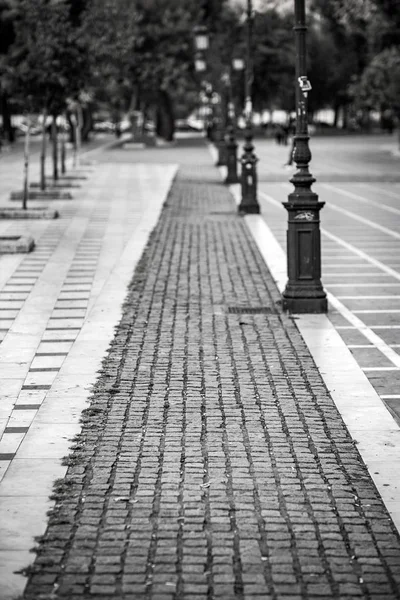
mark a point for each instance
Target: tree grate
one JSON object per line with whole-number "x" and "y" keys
{"x": 250, "y": 310}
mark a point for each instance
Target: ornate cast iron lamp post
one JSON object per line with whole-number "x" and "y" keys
{"x": 231, "y": 144}
{"x": 249, "y": 202}
{"x": 201, "y": 44}
{"x": 304, "y": 292}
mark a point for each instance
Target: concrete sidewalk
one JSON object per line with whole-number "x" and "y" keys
{"x": 212, "y": 460}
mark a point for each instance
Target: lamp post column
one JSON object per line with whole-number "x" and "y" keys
{"x": 304, "y": 292}
{"x": 221, "y": 121}
{"x": 231, "y": 144}
{"x": 249, "y": 202}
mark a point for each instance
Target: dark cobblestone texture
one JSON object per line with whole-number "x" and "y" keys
{"x": 212, "y": 462}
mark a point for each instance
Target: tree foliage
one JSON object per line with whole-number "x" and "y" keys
{"x": 379, "y": 85}
{"x": 45, "y": 63}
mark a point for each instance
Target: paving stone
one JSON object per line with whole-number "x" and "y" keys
{"x": 217, "y": 464}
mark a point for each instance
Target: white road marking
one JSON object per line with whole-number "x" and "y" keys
{"x": 393, "y": 297}
{"x": 362, "y": 254}
{"x": 351, "y": 346}
{"x": 352, "y": 285}
{"x": 372, "y": 326}
{"x": 377, "y": 311}
{"x": 380, "y": 368}
{"x": 359, "y": 198}
{"x": 382, "y": 190}
{"x": 373, "y": 274}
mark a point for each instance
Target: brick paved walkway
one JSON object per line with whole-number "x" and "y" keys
{"x": 212, "y": 461}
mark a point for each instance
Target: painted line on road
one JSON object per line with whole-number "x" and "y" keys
{"x": 380, "y": 311}
{"x": 370, "y": 346}
{"x": 373, "y": 274}
{"x": 382, "y": 190}
{"x": 357, "y": 285}
{"x": 377, "y": 263}
{"x": 392, "y": 297}
{"x": 380, "y": 368}
{"x": 359, "y": 198}
{"x": 372, "y": 326}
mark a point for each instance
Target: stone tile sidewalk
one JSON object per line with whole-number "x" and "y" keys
{"x": 212, "y": 461}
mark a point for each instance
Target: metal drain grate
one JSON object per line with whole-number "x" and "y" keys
{"x": 250, "y": 310}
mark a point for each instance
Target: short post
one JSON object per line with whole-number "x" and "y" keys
{"x": 219, "y": 134}
{"x": 230, "y": 136}
{"x": 231, "y": 147}
{"x": 304, "y": 292}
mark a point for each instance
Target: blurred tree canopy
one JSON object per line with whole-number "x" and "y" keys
{"x": 137, "y": 56}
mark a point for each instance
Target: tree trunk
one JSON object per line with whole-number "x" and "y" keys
{"x": 25, "y": 195}
{"x": 54, "y": 138}
{"x": 78, "y": 133}
{"x": 336, "y": 114}
{"x": 9, "y": 132}
{"x": 71, "y": 123}
{"x": 345, "y": 116}
{"x": 43, "y": 153}
{"x": 165, "y": 125}
{"x": 87, "y": 123}
{"x": 63, "y": 152}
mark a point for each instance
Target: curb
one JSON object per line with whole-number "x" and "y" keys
{"x": 16, "y": 244}
{"x": 29, "y": 213}
{"x": 43, "y": 195}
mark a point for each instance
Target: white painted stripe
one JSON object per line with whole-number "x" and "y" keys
{"x": 362, "y": 254}
{"x": 382, "y": 190}
{"x": 360, "y": 346}
{"x": 365, "y": 330}
{"x": 380, "y": 368}
{"x": 365, "y": 221}
{"x": 370, "y": 345}
{"x": 271, "y": 200}
{"x": 394, "y": 297}
{"x": 359, "y": 198}
{"x": 372, "y": 326}
{"x": 374, "y": 274}
{"x": 378, "y": 311}
{"x": 364, "y": 285}
{"x": 389, "y": 396}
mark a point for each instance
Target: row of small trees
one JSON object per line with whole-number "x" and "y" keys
{"x": 136, "y": 56}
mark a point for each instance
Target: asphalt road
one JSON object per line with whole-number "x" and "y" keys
{"x": 358, "y": 179}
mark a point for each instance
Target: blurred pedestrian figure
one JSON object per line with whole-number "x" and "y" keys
{"x": 279, "y": 135}
{"x": 285, "y": 134}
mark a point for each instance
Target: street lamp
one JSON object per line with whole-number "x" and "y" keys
{"x": 230, "y": 138}
{"x": 249, "y": 202}
{"x": 201, "y": 43}
{"x": 201, "y": 40}
{"x": 304, "y": 292}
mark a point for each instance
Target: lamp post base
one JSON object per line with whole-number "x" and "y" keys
{"x": 248, "y": 209}
{"x": 297, "y": 304}
{"x": 249, "y": 203}
{"x": 304, "y": 292}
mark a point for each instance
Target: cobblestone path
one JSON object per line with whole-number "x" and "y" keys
{"x": 212, "y": 461}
